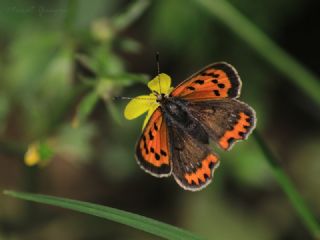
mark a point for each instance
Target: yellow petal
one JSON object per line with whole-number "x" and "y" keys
{"x": 163, "y": 87}
{"x": 139, "y": 105}
{"x": 151, "y": 110}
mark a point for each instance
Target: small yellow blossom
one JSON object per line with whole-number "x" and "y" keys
{"x": 148, "y": 103}
{"x": 32, "y": 156}
{"x": 39, "y": 153}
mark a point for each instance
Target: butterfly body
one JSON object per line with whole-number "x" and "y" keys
{"x": 176, "y": 114}
{"x": 200, "y": 110}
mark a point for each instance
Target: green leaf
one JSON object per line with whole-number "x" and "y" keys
{"x": 134, "y": 11}
{"x": 86, "y": 106}
{"x": 134, "y": 220}
{"x": 45, "y": 151}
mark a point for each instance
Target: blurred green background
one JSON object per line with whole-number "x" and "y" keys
{"x": 61, "y": 132}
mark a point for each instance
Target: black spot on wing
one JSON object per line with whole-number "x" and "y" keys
{"x": 163, "y": 153}
{"x": 145, "y": 148}
{"x": 214, "y": 75}
{"x": 216, "y": 92}
{"x": 206, "y": 177}
{"x": 231, "y": 140}
{"x": 215, "y": 81}
{"x": 155, "y": 126}
{"x": 242, "y": 134}
{"x": 211, "y": 165}
{"x": 150, "y": 135}
{"x": 200, "y": 82}
{"x": 221, "y": 85}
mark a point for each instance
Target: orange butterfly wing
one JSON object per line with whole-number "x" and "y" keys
{"x": 218, "y": 80}
{"x": 152, "y": 150}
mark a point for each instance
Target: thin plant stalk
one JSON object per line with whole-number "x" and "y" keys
{"x": 287, "y": 186}
{"x": 264, "y": 46}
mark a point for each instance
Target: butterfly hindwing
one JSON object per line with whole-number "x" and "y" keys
{"x": 193, "y": 162}
{"x": 218, "y": 80}
{"x": 152, "y": 151}
{"x": 225, "y": 120}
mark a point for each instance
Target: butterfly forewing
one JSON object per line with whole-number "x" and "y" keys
{"x": 152, "y": 150}
{"x": 226, "y": 120}
{"x": 193, "y": 162}
{"x": 218, "y": 80}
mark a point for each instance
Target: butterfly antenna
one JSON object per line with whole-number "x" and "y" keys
{"x": 158, "y": 69}
{"x": 122, "y": 98}
{"x": 130, "y": 98}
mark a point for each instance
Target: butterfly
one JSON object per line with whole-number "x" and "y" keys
{"x": 182, "y": 121}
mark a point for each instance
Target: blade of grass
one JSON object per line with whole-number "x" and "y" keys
{"x": 134, "y": 220}
{"x": 263, "y": 45}
{"x": 287, "y": 186}
{"x": 134, "y": 11}
{"x": 71, "y": 15}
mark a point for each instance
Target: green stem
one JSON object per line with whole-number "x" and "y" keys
{"x": 287, "y": 186}
{"x": 70, "y": 15}
{"x": 263, "y": 45}
{"x": 134, "y": 11}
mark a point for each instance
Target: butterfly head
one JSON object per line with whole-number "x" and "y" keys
{"x": 160, "y": 97}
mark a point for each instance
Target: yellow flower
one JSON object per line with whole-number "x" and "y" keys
{"x": 32, "y": 156}
{"x": 141, "y": 104}
{"x": 38, "y": 153}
